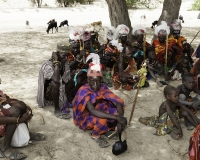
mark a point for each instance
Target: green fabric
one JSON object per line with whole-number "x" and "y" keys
{"x": 163, "y": 124}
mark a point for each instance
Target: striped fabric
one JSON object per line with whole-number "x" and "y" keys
{"x": 84, "y": 119}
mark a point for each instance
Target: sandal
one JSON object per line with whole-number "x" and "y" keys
{"x": 61, "y": 115}
{"x": 127, "y": 87}
{"x": 37, "y": 137}
{"x": 13, "y": 156}
{"x": 102, "y": 142}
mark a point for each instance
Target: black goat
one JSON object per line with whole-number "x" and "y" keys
{"x": 154, "y": 23}
{"x": 63, "y": 23}
{"x": 181, "y": 18}
{"x": 51, "y": 26}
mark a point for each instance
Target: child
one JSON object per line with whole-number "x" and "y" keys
{"x": 154, "y": 66}
{"x": 169, "y": 112}
{"x": 181, "y": 67}
{"x": 185, "y": 89}
{"x": 187, "y": 86}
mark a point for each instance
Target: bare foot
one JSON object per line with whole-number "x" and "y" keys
{"x": 11, "y": 154}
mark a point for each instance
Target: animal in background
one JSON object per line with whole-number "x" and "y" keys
{"x": 181, "y": 18}
{"x": 143, "y": 17}
{"x": 27, "y": 24}
{"x": 154, "y": 23}
{"x": 52, "y": 24}
{"x": 65, "y": 22}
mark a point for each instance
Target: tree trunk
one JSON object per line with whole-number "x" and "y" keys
{"x": 170, "y": 11}
{"x": 118, "y": 13}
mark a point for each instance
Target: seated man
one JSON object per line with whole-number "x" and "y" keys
{"x": 53, "y": 76}
{"x": 123, "y": 68}
{"x": 13, "y": 112}
{"x": 96, "y": 108}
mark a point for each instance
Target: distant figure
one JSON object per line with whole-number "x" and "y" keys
{"x": 181, "y": 18}
{"x": 154, "y": 23}
{"x": 143, "y": 17}
{"x": 65, "y": 22}
{"x": 27, "y": 24}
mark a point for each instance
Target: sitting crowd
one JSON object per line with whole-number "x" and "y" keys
{"x": 78, "y": 75}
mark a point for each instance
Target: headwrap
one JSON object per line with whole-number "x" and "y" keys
{"x": 162, "y": 29}
{"x": 63, "y": 47}
{"x": 88, "y": 29}
{"x": 75, "y": 34}
{"x": 110, "y": 32}
{"x": 138, "y": 30}
{"x": 95, "y": 66}
{"x": 122, "y": 30}
{"x": 117, "y": 45}
{"x": 176, "y": 26}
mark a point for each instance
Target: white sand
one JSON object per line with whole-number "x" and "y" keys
{"x": 25, "y": 49}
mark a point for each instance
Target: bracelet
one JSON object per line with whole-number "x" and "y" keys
{"x": 57, "y": 63}
{"x": 18, "y": 120}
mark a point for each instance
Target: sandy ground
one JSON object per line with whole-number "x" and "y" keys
{"x": 23, "y": 51}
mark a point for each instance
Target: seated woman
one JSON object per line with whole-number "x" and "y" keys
{"x": 12, "y": 113}
{"x": 96, "y": 108}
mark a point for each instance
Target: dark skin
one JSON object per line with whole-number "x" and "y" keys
{"x": 186, "y": 88}
{"x": 154, "y": 68}
{"x": 55, "y": 83}
{"x": 94, "y": 41}
{"x": 170, "y": 106}
{"x": 95, "y": 84}
{"x": 75, "y": 49}
{"x": 17, "y": 109}
{"x": 123, "y": 39}
{"x": 127, "y": 56}
{"x": 182, "y": 66}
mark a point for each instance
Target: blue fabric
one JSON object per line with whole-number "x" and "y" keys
{"x": 75, "y": 80}
{"x": 198, "y": 52}
{"x": 138, "y": 53}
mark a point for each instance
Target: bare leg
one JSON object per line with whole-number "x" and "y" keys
{"x": 188, "y": 117}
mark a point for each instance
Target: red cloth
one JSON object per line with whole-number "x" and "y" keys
{"x": 194, "y": 150}
{"x": 3, "y": 112}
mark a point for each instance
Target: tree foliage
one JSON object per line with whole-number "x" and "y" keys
{"x": 150, "y": 4}
{"x": 196, "y": 5}
{"x": 38, "y": 3}
{"x": 66, "y": 3}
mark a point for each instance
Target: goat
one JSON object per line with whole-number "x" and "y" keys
{"x": 154, "y": 23}
{"x": 63, "y": 23}
{"x": 181, "y": 18}
{"x": 51, "y": 26}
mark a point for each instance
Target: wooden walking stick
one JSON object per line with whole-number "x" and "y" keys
{"x": 134, "y": 102}
{"x": 195, "y": 36}
{"x": 144, "y": 45}
{"x": 166, "y": 51}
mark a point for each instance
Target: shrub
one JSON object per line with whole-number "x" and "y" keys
{"x": 196, "y": 5}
